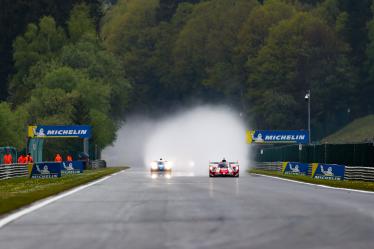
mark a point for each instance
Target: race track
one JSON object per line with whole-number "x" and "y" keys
{"x": 131, "y": 210}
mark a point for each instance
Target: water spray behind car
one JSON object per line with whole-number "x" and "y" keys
{"x": 188, "y": 139}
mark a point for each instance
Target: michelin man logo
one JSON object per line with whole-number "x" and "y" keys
{"x": 328, "y": 172}
{"x": 44, "y": 171}
{"x": 39, "y": 133}
{"x": 69, "y": 167}
{"x": 295, "y": 169}
{"x": 259, "y": 138}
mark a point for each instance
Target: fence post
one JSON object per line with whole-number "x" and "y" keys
{"x": 325, "y": 153}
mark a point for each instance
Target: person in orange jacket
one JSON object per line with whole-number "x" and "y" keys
{"x": 7, "y": 158}
{"x": 21, "y": 159}
{"x": 69, "y": 158}
{"x": 58, "y": 158}
{"x": 29, "y": 158}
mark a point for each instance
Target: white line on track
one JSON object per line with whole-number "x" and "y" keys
{"x": 39, "y": 204}
{"x": 318, "y": 185}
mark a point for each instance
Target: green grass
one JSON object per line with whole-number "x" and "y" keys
{"x": 358, "y": 131}
{"x": 369, "y": 186}
{"x": 18, "y": 192}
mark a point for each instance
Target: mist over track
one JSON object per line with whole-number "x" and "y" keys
{"x": 190, "y": 138}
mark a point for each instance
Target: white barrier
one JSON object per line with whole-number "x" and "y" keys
{"x": 13, "y": 170}
{"x": 352, "y": 173}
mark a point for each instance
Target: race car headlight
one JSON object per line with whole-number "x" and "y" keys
{"x": 168, "y": 165}
{"x": 154, "y": 165}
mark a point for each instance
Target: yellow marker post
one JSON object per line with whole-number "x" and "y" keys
{"x": 314, "y": 168}
{"x": 249, "y": 136}
{"x": 31, "y": 131}
{"x": 284, "y": 165}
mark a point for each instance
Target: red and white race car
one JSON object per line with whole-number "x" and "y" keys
{"x": 223, "y": 168}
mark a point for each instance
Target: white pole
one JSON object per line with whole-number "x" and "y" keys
{"x": 309, "y": 130}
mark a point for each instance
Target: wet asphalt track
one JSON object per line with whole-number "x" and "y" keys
{"x": 131, "y": 210}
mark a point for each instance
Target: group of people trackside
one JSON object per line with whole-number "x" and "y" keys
{"x": 22, "y": 159}
{"x": 58, "y": 158}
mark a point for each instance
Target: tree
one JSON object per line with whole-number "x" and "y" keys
{"x": 69, "y": 80}
{"x": 39, "y": 44}
{"x": 80, "y": 22}
{"x": 12, "y": 126}
{"x": 15, "y": 15}
{"x": 301, "y": 53}
{"x": 167, "y": 8}
{"x": 368, "y": 88}
{"x": 205, "y": 45}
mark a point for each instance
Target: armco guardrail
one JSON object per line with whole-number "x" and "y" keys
{"x": 271, "y": 166}
{"x": 13, "y": 170}
{"x": 359, "y": 173}
{"x": 97, "y": 164}
{"x": 352, "y": 173}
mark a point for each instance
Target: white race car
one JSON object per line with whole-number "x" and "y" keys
{"x": 161, "y": 165}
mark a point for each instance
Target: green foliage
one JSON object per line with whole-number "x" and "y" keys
{"x": 12, "y": 126}
{"x": 73, "y": 80}
{"x": 358, "y": 131}
{"x": 80, "y": 22}
{"x": 301, "y": 53}
{"x": 205, "y": 45}
{"x": 259, "y": 56}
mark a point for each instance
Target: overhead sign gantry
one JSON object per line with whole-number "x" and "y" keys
{"x": 37, "y": 134}
{"x": 273, "y": 137}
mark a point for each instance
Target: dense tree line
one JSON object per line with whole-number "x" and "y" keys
{"x": 64, "y": 76}
{"x": 93, "y": 62}
{"x": 260, "y": 56}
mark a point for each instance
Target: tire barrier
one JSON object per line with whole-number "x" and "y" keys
{"x": 8, "y": 171}
{"x": 351, "y": 173}
{"x": 98, "y": 164}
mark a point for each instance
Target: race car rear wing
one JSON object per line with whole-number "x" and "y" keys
{"x": 227, "y": 162}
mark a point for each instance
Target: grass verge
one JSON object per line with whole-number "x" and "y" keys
{"x": 360, "y": 185}
{"x": 18, "y": 192}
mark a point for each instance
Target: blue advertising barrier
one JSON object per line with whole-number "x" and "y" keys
{"x": 291, "y": 168}
{"x": 46, "y": 170}
{"x": 53, "y": 131}
{"x": 328, "y": 171}
{"x": 271, "y": 137}
{"x": 72, "y": 167}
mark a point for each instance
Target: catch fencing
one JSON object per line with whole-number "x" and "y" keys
{"x": 345, "y": 154}
{"x": 8, "y": 171}
{"x": 352, "y": 173}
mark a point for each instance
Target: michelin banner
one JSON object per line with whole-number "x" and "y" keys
{"x": 53, "y": 131}
{"x": 46, "y": 170}
{"x": 271, "y": 137}
{"x": 290, "y": 168}
{"x": 72, "y": 167}
{"x": 328, "y": 171}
